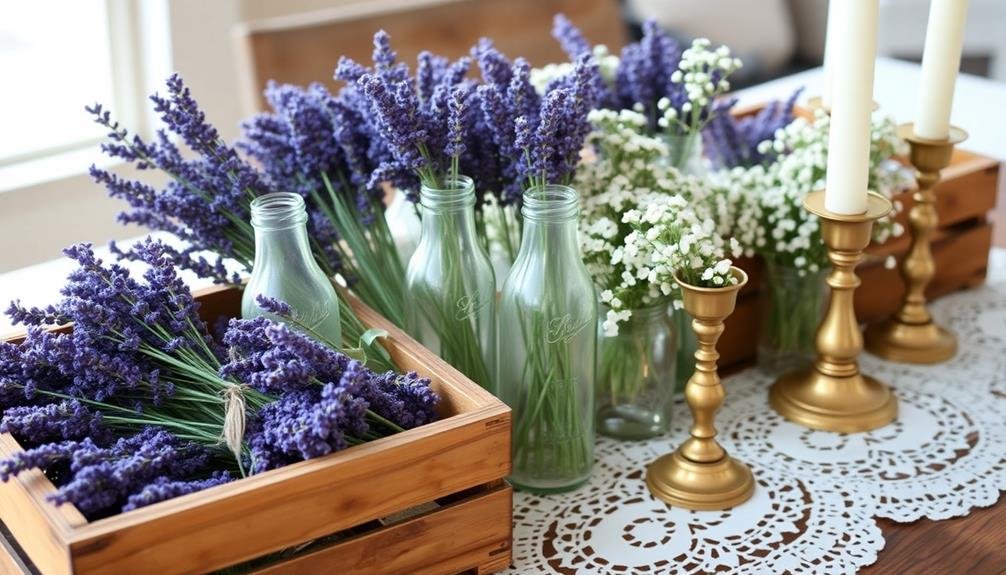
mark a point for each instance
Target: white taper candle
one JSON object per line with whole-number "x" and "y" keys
{"x": 940, "y": 62}
{"x": 853, "y": 57}
{"x": 829, "y": 39}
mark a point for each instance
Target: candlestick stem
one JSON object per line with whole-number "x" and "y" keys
{"x": 910, "y": 335}
{"x": 832, "y": 394}
{"x": 700, "y": 474}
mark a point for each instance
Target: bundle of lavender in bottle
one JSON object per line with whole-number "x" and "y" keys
{"x": 675, "y": 89}
{"x": 432, "y": 127}
{"x": 548, "y": 307}
{"x": 206, "y": 202}
{"x": 138, "y": 402}
{"x": 326, "y": 148}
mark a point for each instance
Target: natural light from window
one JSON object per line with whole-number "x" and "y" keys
{"x": 55, "y": 58}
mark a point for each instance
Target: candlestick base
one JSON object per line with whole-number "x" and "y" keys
{"x": 847, "y": 404}
{"x": 681, "y": 482}
{"x": 908, "y": 343}
{"x": 833, "y": 395}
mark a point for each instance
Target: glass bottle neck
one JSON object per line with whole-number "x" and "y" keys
{"x": 452, "y": 206}
{"x": 550, "y": 220}
{"x": 280, "y": 223}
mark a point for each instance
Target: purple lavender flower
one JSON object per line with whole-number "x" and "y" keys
{"x": 570, "y": 37}
{"x": 41, "y": 457}
{"x": 644, "y": 72}
{"x": 66, "y": 420}
{"x": 495, "y": 67}
{"x": 164, "y": 488}
{"x": 304, "y": 425}
{"x": 406, "y": 399}
{"x": 734, "y": 141}
{"x": 456, "y": 110}
{"x": 103, "y": 478}
{"x": 274, "y": 306}
{"x": 206, "y": 202}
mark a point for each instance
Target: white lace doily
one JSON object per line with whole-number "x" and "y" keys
{"x": 817, "y": 492}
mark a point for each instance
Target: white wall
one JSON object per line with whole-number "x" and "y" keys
{"x": 43, "y": 212}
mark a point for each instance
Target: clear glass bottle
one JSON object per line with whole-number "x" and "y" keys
{"x": 635, "y": 371}
{"x": 793, "y": 303}
{"x": 685, "y": 153}
{"x": 548, "y": 345}
{"x": 285, "y": 268}
{"x": 450, "y": 286}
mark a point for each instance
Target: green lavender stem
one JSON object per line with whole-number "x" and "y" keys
{"x": 794, "y": 311}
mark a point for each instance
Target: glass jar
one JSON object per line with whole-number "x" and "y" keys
{"x": 793, "y": 303}
{"x": 635, "y": 374}
{"x": 687, "y": 344}
{"x": 450, "y": 286}
{"x": 285, "y": 268}
{"x": 547, "y": 348}
{"x": 685, "y": 153}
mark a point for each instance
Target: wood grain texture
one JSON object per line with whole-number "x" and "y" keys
{"x": 469, "y": 534}
{"x": 971, "y": 545}
{"x": 306, "y": 48}
{"x": 39, "y": 526}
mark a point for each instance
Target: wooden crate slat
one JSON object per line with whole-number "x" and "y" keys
{"x": 39, "y": 526}
{"x": 299, "y": 502}
{"x": 466, "y": 535}
{"x": 961, "y": 261}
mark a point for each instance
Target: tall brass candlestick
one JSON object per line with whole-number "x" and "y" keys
{"x": 700, "y": 474}
{"x": 910, "y": 335}
{"x": 832, "y": 394}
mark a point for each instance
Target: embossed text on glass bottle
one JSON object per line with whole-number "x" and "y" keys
{"x": 285, "y": 268}
{"x": 548, "y": 314}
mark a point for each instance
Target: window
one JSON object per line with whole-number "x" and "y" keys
{"x": 56, "y": 57}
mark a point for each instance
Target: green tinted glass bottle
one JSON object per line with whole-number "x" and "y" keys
{"x": 548, "y": 314}
{"x": 285, "y": 268}
{"x": 450, "y": 286}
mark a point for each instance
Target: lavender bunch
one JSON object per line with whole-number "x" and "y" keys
{"x": 734, "y": 142}
{"x": 538, "y": 136}
{"x": 103, "y": 478}
{"x": 426, "y": 121}
{"x": 319, "y": 145}
{"x": 138, "y": 353}
{"x": 207, "y": 201}
{"x": 327, "y": 402}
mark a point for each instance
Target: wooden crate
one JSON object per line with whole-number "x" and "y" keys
{"x": 443, "y": 483}
{"x": 960, "y": 245}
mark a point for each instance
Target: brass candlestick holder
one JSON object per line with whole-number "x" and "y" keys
{"x": 699, "y": 474}
{"x": 832, "y": 394}
{"x": 910, "y": 335}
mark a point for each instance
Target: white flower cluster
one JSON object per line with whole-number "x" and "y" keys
{"x": 643, "y": 220}
{"x": 607, "y": 64}
{"x": 767, "y": 201}
{"x": 703, "y": 74}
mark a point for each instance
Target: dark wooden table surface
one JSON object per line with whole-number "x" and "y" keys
{"x": 971, "y": 545}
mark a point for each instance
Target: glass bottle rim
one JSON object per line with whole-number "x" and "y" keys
{"x": 551, "y": 202}
{"x": 278, "y": 211}
{"x": 457, "y": 192}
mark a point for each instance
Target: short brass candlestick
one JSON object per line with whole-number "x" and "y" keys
{"x": 699, "y": 474}
{"x": 832, "y": 394}
{"x": 910, "y": 335}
